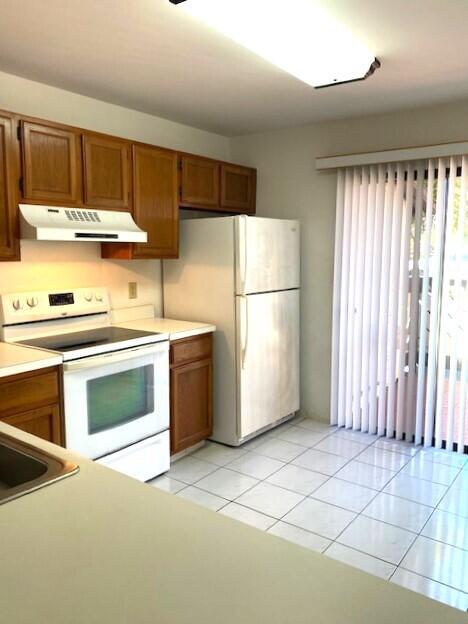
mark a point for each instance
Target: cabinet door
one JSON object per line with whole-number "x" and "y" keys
{"x": 107, "y": 172}
{"x": 238, "y": 188}
{"x": 155, "y": 201}
{"x": 51, "y": 164}
{"x": 24, "y": 391}
{"x": 199, "y": 182}
{"x": 191, "y": 404}
{"x": 267, "y": 358}
{"x": 43, "y": 422}
{"x": 9, "y": 246}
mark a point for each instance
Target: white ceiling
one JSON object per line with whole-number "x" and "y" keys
{"x": 150, "y": 56}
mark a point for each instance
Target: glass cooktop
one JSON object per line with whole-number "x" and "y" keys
{"x": 87, "y": 338}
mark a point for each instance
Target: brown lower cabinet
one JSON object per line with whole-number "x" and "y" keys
{"x": 31, "y": 402}
{"x": 43, "y": 422}
{"x": 191, "y": 391}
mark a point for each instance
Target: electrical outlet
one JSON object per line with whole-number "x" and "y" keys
{"x": 132, "y": 290}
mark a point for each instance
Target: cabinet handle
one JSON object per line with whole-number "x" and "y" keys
{"x": 246, "y": 325}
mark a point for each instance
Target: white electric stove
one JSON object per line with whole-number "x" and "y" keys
{"x": 115, "y": 380}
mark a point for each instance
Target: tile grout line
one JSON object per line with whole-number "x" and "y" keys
{"x": 333, "y": 541}
{"x": 258, "y": 481}
{"x": 315, "y": 489}
{"x": 428, "y": 578}
{"x": 329, "y": 477}
{"x": 290, "y": 463}
{"x": 361, "y": 552}
{"x": 424, "y": 526}
{"x": 418, "y": 534}
{"x": 218, "y": 467}
{"x": 434, "y": 509}
{"x": 264, "y": 480}
{"x": 361, "y": 513}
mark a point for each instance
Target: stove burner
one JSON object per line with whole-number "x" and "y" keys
{"x": 62, "y": 343}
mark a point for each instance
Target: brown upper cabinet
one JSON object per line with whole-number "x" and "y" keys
{"x": 51, "y": 157}
{"x": 107, "y": 172}
{"x": 55, "y": 164}
{"x": 199, "y": 182}
{"x": 218, "y": 186}
{"x": 238, "y": 188}
{"x": 155, "y": 201}
{"x": 155, "y": 207}
{"x": 9, "y": 245}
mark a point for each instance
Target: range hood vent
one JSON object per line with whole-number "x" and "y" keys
{"x": 50, "y": 223}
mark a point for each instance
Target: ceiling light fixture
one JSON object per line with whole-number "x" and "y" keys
{"x": 295, "y": 35}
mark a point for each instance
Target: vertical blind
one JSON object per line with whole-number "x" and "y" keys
{"x": 400, "y": 302}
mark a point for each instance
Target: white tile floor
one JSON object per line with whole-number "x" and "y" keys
{"x": 394, "y": 510}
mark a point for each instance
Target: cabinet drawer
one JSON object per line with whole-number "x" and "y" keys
{"x": 191, "y": 349}
{"x": 26, "y": 391}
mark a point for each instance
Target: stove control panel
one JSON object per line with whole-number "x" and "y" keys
{"x": 59, "y": 299}
{"x": 26, "y": 307}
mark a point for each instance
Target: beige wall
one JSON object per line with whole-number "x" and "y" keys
{"x": 56, "y": 265}
{"x": 39, "y": 100}
{"x": 52, "y": 265}
{"x": 289, "y": 186}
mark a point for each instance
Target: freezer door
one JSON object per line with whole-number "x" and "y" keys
{"x": 267, "y": 358}
{"x": 267, "y": 254}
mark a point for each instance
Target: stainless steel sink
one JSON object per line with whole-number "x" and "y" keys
{"x": 25, "y": 468}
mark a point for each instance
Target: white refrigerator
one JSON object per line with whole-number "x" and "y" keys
{"x": 243, "y": 275}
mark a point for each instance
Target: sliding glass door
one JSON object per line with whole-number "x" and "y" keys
{"x": 451, "y": 422}
{"x": 400, "y": 315}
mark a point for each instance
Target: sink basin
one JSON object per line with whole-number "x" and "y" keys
{"x": 24, "y": 468}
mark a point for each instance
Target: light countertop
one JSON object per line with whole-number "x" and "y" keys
{"x": 101, "y": 548}
{"x": 16, "y": 359}
{"x": 175, "y": 329}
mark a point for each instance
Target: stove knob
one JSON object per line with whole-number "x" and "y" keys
{"x": 88, "y": 296}
{"x": 17, "y": 304}
{"x": 32, "y": 302}
{"x": 98, "y": 296}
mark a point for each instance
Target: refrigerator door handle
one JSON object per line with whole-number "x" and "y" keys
{"x": 245, "y": 333}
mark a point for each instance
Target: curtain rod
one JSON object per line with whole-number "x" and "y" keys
{"x": 394, "y": 155}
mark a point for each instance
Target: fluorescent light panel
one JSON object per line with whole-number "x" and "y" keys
{"x": 295, "y": 35}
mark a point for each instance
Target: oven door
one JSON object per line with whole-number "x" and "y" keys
{"x": 116, "y": 399}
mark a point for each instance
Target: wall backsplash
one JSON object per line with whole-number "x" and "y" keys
{"x": 60, "y": 265}
{"x": 49, "y": 265}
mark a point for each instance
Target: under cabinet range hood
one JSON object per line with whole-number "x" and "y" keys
{"x": 50, "y": 223}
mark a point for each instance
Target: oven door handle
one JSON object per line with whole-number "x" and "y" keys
{"x": 114, "y": 357}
